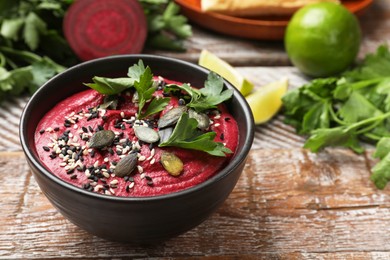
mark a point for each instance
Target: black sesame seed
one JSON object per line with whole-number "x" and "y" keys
{"x": 56, "y": 129}
{"x": 42, "y": 131}
{"x": 70, "y": 171}
{"x": 74, "y": 176}
{"x": 66, "y": 125}
{"x": 126, "y": 178}
{"x": 181, "y": 102}
{"x": 118, "y": 152}
{"x": 104, "y": 118}
{"x": 100, "y": 127}
{"x": 131, "y": 179}
{"x": 47, "y": 149}
{"x": 127, "y": 188}
{"x": 67, "y": 121}
{"x": 222, "y": 136}
{"x": 111, "y": 151}
{"x": 227, "y": 119}
{"x": 123, "y": 127}
{"x": 90, "y": 129}
{"x": 52, "y": 156}
{"x": 85, "y": 130}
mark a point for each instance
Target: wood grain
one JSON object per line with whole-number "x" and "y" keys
{"x": 288, "y": 203}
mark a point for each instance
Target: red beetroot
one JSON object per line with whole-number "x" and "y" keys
{"x": 98, "y": 28}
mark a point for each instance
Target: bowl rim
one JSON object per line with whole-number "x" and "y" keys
{"x": 231, "y": 166}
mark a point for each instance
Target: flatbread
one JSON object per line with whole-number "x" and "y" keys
{"x": 256, "y": 7}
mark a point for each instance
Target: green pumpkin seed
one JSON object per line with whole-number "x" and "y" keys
{"x": 171, "y": 117}
{"x": 202, "y": 118}
{"x": 101, "y": 139}
{"x": 126, "y": 165}
{"x": 171, "y": 163}
{"x": 146, "y": 134}
{"x": 165, "y": 133}
{"x": 110, "y": 102}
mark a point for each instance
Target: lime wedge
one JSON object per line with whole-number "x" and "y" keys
{"x": 225, "y": 70}
{"x": 267, "y": 100}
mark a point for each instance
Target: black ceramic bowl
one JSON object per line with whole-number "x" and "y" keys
{"x": 138, "y": 220}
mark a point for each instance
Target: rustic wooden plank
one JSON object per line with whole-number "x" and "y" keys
{"x": 242, "y": 52}
{"x": 269, "y": 135}
{"x": 288, "y": 203}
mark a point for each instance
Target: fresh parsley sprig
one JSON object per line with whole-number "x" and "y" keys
{"x": 342, "y": 111}
{"x": 207, "y": 97}
{"x": 139, "y": 77}
{"x": 187, "y": 135}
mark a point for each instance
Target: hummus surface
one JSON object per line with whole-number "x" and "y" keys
{"x": 62, "y": 136}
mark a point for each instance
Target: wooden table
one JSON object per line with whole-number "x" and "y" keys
{"x": 288, "y": 203}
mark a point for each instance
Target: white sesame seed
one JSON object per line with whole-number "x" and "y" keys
{"x": 58, "y": 151}
{"x": 98, "y": 187}
{"x": 106, "y": 159}
{"x": 49, "y": 129}
{"x": 141, "y": 158}
{"x": 140, "y": 169}
{"x": 75, "y": 126}
{"x": 107, "y": 192}
{"x": 112, "y": 191}
{"x": 122, "y": 114}
{"x": 114, "y": 182}
{"x": 106, "y": 174}
{"x": 75, "y": 139}
{"x": 93, "y": 183}
{"x": 131, "y": 185}
{"x": 70, "y": 152}
{"x": 123, "y": 140}
{"x": 153, "y": 161}
{"x": 61, "y": 156}
{"x": 122, "y": 156}
{"x": 96, "y": 164}
{"x": 85, "y": 152}
{"x": 142, "y": 176}
{"x": 217, "y": 124}
{"x": 63, "y": 164}
{"x": 87, "y": 115}
{"x": 103, "y": 112}
{"x": 217, "y": 116}
{"x": 51, "y": 145}
{"x": 87, "y": 172}
{"x": 70, "y": 135}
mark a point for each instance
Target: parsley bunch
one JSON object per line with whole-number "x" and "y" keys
{"x": 31, "y": 44}
{"x": 33, "y": 48}
{"x": 342, "y": 111}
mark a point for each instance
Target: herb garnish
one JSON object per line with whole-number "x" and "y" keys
{"x": 205, "y": 98}
{"x": 186, "y": 133}
{"x": 341, "y": 111}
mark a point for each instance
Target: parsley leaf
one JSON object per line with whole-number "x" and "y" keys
{"x": 186, "y": 135}
{"x": 110, "y": 86}
{"x": 207, "y": 97}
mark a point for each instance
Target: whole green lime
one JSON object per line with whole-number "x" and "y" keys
{"x": 322, "y": 39}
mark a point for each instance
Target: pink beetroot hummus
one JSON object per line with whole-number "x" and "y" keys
{"x": 62, "y": 136}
